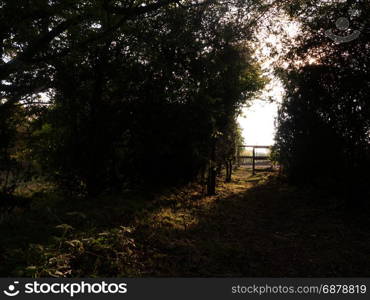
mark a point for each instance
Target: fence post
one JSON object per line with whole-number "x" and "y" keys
{"x": 254, "y": 162}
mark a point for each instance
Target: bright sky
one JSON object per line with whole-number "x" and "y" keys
{"x": 258, "y": 124}
{"x": 258, "y": 120}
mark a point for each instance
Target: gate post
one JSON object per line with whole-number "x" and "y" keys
{"x": 254, "y": 162}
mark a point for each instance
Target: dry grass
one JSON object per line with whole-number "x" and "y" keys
{"x": 255, "y": 226}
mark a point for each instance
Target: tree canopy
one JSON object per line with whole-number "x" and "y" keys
{"x": 121, "y": 93}
{"x": 324, "y": 121}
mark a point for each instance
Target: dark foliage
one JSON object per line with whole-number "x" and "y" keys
{"x": 324, "y": 121}
{"x": 124, "y": 95}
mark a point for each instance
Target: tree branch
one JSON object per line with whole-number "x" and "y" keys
{"x": 35, "y": 47}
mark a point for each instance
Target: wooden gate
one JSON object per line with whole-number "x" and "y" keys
{"x": 252, "y": 155}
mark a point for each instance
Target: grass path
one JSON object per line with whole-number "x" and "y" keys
{"x": 259, "y": 227}
{"x": 255, "y": 226}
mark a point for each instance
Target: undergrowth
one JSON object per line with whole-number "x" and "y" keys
{"x": 254, "y": 226}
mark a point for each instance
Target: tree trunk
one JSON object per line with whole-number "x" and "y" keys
{"x": 211, "y": 186}
{"x": 229, "y": 170}
{"x": 212, "y": 172}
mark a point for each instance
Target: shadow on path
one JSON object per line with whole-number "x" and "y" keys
{"x": 264, "y": 229}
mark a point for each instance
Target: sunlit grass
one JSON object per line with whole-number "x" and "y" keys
{"x": 254, "y": 226}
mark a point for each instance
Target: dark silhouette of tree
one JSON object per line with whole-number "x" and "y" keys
{"x": 324, "y": 122}
{"x": 136, "y": 93}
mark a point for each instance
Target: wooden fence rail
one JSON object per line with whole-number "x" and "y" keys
{"x": 254, "y": 157}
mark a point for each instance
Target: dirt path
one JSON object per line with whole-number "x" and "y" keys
{"x": 254, "y": 227}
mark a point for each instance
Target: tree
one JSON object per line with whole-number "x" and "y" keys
{"x": 324, "y": 122}
{"x": 136, "y": 91}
